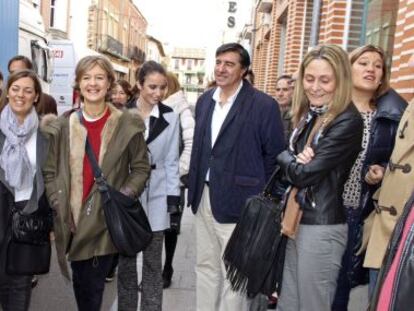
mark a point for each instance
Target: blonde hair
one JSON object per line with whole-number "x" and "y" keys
{"x": 173, "y": 84}
{"x": 338, "y": 60}
{"x": 88, "y": 62}
{"x": 358, "y": 52}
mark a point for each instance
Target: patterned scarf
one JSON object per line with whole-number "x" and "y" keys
{"x": 313, "y": 113}
{"x": 14, "y": 159}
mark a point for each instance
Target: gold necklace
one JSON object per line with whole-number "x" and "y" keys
{"x": 95, "y": 115}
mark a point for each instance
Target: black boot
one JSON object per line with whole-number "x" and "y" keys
{"x": 167, "y": 274}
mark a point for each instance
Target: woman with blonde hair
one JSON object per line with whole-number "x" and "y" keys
{"x": 176, "y": 99}
{"x": 116, "y": 139}
{"x": 322, "y": 148}
{"x": 381, "y": 109}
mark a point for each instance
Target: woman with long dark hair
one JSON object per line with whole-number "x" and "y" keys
{"x": 161, "y": 196}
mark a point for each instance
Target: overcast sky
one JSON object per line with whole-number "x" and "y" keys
{"x": 190, "y": 23}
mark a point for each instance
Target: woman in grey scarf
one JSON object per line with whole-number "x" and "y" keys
{"x": 22, "y": 150}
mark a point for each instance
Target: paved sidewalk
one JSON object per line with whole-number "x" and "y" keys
{"x": 53, "y": 293}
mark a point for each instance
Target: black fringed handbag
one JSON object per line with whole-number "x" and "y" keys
{"x": 255, "y": 253}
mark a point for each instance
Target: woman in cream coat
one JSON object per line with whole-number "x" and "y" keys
{"x": 396, "y": 188}
{"x": 175, "y": 99}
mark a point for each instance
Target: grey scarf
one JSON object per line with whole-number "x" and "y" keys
{"x": 14, "y": 159}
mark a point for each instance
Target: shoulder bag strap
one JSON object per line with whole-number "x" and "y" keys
{"x": 271, "y": 182}
{"x": 97, "y": 172}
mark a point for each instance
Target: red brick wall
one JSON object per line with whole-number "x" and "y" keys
{"x": 272, "y": 61}
{"x": 402, "y": 76}
{"x": 331, "y": 30}
{"x": 295, "y": 31}
{"x": 332, "y": 22}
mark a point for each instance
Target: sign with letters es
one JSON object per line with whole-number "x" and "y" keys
{"x": 232, "y": 9}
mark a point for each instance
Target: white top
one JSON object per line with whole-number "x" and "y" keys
{"x": 155, "y": 112}
{"x": 221, "y": 110}
{"x": 25, "y": 193}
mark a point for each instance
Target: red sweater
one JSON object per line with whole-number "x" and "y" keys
{"x": 94, "y": 129}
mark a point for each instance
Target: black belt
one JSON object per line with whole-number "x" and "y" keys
{"x": 207, "y": 183}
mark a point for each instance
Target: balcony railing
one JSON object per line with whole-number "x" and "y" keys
{"x": 265, "y": 6}
{"x": 135, "y": 53}
{"x": 111, "y": 45}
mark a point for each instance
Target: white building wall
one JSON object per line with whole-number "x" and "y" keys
{"x": 61, "y": 14}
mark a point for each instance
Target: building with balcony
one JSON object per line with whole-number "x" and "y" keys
{"x": 117, "y": 29}
{"x": 189, "y": 66}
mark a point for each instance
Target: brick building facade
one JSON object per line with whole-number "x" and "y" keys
{"x": 118, "y": 29}
{"x": 284, "y": 30}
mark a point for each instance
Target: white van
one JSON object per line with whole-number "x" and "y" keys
{"x": 33, "y": 42}
{"x": 65, "y": 60}
{"x": 65, "y": 55}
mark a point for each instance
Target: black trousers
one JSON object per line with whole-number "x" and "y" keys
{"x": 89, "y": 281}
{"x": 15, "y": 292}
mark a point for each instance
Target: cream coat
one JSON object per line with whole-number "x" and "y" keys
{"x": 179, "y": 104}
{"x": 396, "y": 188}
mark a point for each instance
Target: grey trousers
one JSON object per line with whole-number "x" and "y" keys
{"x": 311, "y": 268}
{"x": 151, "y": 299}
{"x": 127, "y": 284}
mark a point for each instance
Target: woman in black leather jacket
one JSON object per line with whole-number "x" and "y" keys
{"x": 394, "y": 289}
{"x": 381, "y": 109}
{"x": 323, "y": 147}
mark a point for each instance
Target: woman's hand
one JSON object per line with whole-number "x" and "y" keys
{"x": 305, "y": 156}
{"x": 375, "y": 174}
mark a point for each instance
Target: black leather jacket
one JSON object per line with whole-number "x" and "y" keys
{"x": 324, "y": 177}
{"x": 390, "y": 108}
{"x": 402, "y": 298}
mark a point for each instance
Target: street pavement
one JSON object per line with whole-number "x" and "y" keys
{"x": 53, "y": 293}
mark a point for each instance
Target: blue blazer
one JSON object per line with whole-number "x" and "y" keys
{"x": 243, "y": 156}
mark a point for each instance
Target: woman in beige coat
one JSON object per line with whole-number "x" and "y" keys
{"x": 397, "y": 186}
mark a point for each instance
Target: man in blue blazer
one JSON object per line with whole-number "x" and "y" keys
{"x": 238, "y": 134}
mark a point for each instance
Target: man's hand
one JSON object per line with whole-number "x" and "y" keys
{"x": 375, "y": 174}
{"x": 305, "y": 156}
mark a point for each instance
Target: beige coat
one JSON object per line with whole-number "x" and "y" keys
{"x": 81, "y": 232}
{"x": 396, "y": 188}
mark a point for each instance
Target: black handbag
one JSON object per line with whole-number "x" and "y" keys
{"x": 125, "y": 218}
{"x": 29, "y": 249}
{"x": 254, "y": 256}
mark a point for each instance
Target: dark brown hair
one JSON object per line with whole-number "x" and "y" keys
{"x": 147, "y": 68}
{"x": 25, "y": 73}
{"x": 28, "y": 63}
{"x": 358, "y": 52}
{"x": 126, "y": 87}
